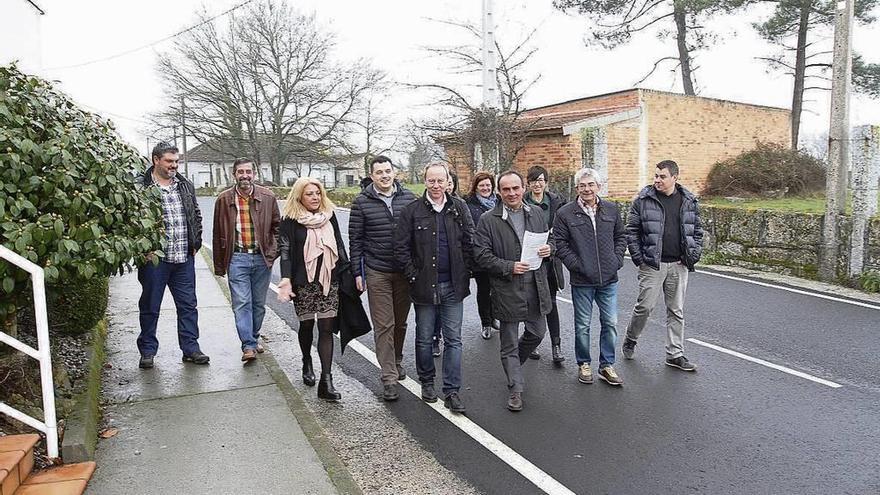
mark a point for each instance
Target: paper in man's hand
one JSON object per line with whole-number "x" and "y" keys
{"x": 530, "y": 244}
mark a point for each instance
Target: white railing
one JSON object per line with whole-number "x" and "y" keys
{"x": 43, "y": 354}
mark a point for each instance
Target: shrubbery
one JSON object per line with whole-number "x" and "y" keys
{"x": 69, "y": 201}
{"x": 768, "y": 170}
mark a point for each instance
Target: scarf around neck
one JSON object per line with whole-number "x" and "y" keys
{"x": 489, "y": 202}
{"x": 320, "y": 241}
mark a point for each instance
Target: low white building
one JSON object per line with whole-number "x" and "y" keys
{"x": 21, "y": 34}
{"x": 207, "y": 167}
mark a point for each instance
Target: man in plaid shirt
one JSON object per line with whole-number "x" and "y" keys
{"x": 176, "y": 269}
{"x": 246, "y": 219}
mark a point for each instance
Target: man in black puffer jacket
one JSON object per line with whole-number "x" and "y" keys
{"x": 591, "y": 242}
{"x": 371, "y": 226}
{"x": 665, "y": 239}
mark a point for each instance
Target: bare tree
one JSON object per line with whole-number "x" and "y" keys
{"x": 374, "y": 126}
{"x": 264, "y": 85}
{"x": 616, "y": 22}
{"x": 799, "y": 28}
{"x": 462, "y": 123}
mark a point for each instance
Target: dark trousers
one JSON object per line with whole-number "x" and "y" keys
{"x": 180, "y": 278}
{"x": 484, "y": 300}
{"x": 553, "y": 315}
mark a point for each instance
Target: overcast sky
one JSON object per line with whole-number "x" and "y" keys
{"x": 392, "y": 32}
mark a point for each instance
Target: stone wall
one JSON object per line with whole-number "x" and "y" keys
{"x": 780, "y": 242}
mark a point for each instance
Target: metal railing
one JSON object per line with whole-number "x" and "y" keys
{"x": 43, "y": 354}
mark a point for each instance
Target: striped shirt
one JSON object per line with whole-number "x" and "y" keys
{"x": 245, "y": 236}
{"x": 174, "y": 217}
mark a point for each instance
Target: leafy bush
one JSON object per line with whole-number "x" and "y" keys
{"x": 768, "y": 170}
{"x": 870, "y": 281}
{"x": 69, "y": 200}
{"x": 75, "y": 308}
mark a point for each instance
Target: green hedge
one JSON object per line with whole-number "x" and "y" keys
{"x": 76, "y": 306}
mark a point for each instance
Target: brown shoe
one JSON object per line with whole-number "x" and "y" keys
{"x": 248, "y": 355}
{"x": 260, "y": 348}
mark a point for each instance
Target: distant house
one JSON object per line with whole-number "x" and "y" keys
{"x": 624, "y": 134}
{"x": 210, "y": 165}
{"x": 21, "y": 34}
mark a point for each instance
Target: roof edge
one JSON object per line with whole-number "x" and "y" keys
{"x": 34, "y": 4}
{"x": 670, "y": 93}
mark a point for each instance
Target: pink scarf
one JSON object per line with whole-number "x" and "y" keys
{"x": 320, "y": 240}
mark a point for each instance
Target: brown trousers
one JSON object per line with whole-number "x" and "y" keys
{"x": 388, "y": 294}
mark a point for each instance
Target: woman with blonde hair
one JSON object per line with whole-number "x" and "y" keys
{"x": 312, "y": 257}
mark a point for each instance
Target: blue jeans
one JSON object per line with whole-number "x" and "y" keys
{"x": 248, "y": 278}
{"x": 449, "y": 312}
{"x": 606, "y": 300}
{"x": 180, "y": 278}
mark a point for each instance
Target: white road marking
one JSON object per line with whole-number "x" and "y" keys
{"x": 796, "y": 291}
{"x": 506, "y": 454}
{"x": 768, "y": 364}
{"x": 750, "y": 358}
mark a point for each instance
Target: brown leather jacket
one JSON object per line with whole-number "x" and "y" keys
{"x": 265, "y": 215}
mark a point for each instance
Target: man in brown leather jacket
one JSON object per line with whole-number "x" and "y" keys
{"x": 246, "y": 219}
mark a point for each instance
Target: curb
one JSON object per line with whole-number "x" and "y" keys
{"x": 81, "y": 429}
{"x": 335, "y": 467}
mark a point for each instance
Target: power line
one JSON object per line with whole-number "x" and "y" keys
{"x": 148, "y": 45}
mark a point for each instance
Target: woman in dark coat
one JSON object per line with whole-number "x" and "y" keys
{"x": 481, "y": 199}
{"x": 312, "y": 258}
{"x": 547, "y": 203}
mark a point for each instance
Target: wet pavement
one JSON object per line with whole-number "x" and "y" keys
{"x": 735, "y": 426}
{"x": 183, "y": 428}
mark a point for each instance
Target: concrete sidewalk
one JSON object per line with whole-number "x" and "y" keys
{"x": 183, "y": 428}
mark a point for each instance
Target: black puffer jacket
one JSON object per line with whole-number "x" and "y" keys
{"x": 415, "y": 247}
{"x": 644, "y": 228}
{"x": 593, "y": 257}
{"x": 371, "y": 229}
{"x": 190, "y": 208}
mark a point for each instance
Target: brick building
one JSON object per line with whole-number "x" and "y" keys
{"x": 624, "y": 134}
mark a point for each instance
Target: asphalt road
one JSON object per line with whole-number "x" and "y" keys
{"x": 735, "y": 426}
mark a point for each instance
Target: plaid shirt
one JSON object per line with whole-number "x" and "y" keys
{"x": 589, "y": 210}
{"x": 245, "y": 236}
{"x": 175, "y": 223}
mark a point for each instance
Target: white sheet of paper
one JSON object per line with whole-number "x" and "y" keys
{"x": 530, "y": 244}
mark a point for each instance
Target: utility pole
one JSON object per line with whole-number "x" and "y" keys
{"x": 838, "y": 139}
{"x": 490, "y": 88}
{"x": 183, "y": 129}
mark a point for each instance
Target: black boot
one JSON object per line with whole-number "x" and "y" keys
{"x": 308, "y": 372}
{"x": 557, "y": 354}
{"x": 326, "y": 390}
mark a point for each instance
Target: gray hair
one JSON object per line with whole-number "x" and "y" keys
{"x": 588, "y": 172}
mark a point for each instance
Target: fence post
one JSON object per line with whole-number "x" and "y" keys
{"x": 865, "y": 175}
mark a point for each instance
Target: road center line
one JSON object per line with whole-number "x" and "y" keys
{"x": 768, "y": 364}
{"x": 506, "y": 454}
{"x": 750, "y": 358}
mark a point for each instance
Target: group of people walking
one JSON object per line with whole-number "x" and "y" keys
{"x": 512, "y": 237}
